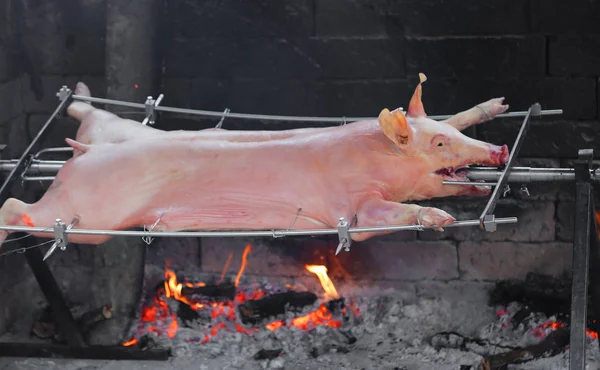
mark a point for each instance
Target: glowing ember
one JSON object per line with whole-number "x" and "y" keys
{"x": 321, "y": 272}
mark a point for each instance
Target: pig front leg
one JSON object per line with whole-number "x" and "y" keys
{"x": 379, "y": 212}
{"x": 480, "y": 113}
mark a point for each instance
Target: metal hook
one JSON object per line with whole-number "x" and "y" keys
{"x": 147, "y": 238}
{"x": 343, "y": 120}
{"x": 225, "y": 113}
{"x": 151, "y": 104}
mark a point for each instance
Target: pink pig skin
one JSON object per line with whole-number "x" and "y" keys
{"x": 309, "y": 177}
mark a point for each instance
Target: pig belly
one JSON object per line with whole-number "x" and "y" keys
{"x": 185, "y": 186}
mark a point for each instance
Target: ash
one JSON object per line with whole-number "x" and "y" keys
{"x": 397, "y": 328}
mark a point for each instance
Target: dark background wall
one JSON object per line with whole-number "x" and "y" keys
{"x": 343, "y": 58}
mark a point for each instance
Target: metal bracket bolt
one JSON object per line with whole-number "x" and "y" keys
{"x": 60, "y": 236}
{"x": 489, "y": 223}
{"x": 343, "y": 236}
{"x": 150, "y": 106}
{"x": 63, "y": 93}
{"x": 524, "y": 190}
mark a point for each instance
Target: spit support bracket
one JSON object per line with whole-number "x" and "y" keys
{"x": 345, "y": 241}
{"x": 150, "y": 107}
{"x": 61, "y": 240}
{"x": 485, "y": 221}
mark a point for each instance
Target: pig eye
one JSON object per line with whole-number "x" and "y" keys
{"x": 440, "y": 144}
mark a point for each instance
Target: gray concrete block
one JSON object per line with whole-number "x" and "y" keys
{"x": 508, "y": 260}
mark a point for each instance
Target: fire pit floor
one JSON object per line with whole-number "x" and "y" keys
{"x": 399, "y": 328}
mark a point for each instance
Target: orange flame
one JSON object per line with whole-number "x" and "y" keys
{"x": 173, "y": 289}
{"x": 321, "y": 272}
{"x": 598, "y": 222}
{"x": 226, "y": 266}
{"x": 129, "y": 343}
{"x": 244, "y": 261}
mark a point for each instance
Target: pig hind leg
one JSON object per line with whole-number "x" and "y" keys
{"x": 379, "y": 212}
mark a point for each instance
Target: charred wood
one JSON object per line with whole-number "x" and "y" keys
{"x": 254, "y": 311}
{"x": 186, "y": 313}
{"x": 45, "y": 350}
{"x": 551, "y": 345}
{"x": 268, "y": 354}
{"x": 221, "y": 292}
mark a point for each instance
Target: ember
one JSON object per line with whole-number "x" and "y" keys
{"x": 158, "y": 318}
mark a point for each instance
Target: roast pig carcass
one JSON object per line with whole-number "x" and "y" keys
{"x": 127, "y": 175}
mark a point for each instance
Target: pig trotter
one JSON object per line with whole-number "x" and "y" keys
{"x": 480, "y": 113}
{"x": 379, "y": 212}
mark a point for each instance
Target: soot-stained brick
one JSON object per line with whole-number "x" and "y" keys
{"x": 535, "y": 221}
{"x": 565, "y": 220}
{"x": 476, "y": 58}
{"x": 233, "y": 58}
{"x": 410, "y": 260}
{"x": 575, "y": 55}
{"x": 565, "y": 17}
{"x": 509, "y": 260}
{"x": 11, "y": 102}
{"x": 354, "y": 18}
{"x": 552, "y": 139}
{"x": 240, "y": 18}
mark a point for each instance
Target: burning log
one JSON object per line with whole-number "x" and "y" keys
{"x": 254, "y": 311}
{"x": 224, "y": 291}
{"x": 553, "y": 344}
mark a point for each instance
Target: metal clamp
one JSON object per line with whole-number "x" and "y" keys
{"x": 63, "y": 93}
{"x": 150, "y": 106}
{"x": 61, "y": 239}
{"x": 225, "y": 113}
{"x": 489, "y": 223}
{"x": 343, "y": 228}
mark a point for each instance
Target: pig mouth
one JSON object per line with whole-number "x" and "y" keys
{"x": 454, "y": 174}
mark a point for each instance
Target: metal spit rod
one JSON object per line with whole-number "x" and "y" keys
{"x": 517, "y": 175}
{"x": 266, "y": 117}
{"x": 261, "y": 233}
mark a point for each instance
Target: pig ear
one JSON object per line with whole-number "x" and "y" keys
{"x": 415, "y": 107}
{"x": 395, "y": 126}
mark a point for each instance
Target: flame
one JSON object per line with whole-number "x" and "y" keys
{"x": 226, "y": 267}
{"x": 539, "y": 333}
{"x": 321, "y": 272}
{"x": 173, "y": 289}
{"x": 244, "y": 261}
{"x": 131, "y": 342}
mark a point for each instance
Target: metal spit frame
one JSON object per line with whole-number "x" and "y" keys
{"x": 582, "y": 174}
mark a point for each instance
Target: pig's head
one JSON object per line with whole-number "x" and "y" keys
{"x": 439, "y": 148}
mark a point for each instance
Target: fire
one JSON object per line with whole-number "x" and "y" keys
{"x": 173, "y": 289}
{"x": 163, "y": 322}
{"x": 243, "y": 267}
{"x": 321, "y": 272}
{"x": 129, "y": 343}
